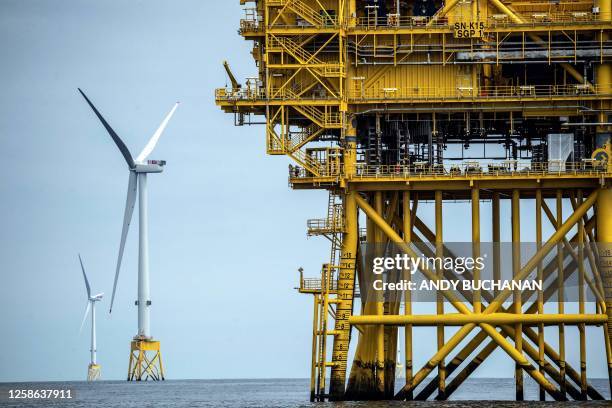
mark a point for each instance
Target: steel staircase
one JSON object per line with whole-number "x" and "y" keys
{"x": 304, "y": 57}
{"x": 325, "y": 119}
{"x": 303, "y": 10}
{"x": 307, "y": 134}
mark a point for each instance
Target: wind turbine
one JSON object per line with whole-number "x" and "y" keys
{"x": 93, "y": 370}
{"x": 138, "y": 168}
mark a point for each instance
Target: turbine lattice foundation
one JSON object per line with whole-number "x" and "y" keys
{"x": 93, "y": 372}
{"x": 145, "y": 361}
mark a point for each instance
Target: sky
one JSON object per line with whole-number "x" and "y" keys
{"x": 226, "y": 233}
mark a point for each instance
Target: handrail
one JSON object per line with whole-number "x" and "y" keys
{"x": 510, "y": 168}
{"x": 481, "y": 92}
{"x": 392, "y": 22}
{"x": 423, "y": 93}
{"x": 530, "y": 19}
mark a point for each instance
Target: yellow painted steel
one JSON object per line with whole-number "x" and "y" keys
{"x": 145, "y": 361}
{"x": 517, "y": 295}
{"x": 497, "y": 319}
{"x": 407, "y": 230}
{"x": 477, "y": 304}
{"x": 439, "y": 299}
{"x": 495, "y": 305}
{"x": 560, "y": 294}
{"x": 380, "y": 305}
{"x": 346, "y": 286}
{"x": 540, "y": 301}
{"x": 604, "y": 237}
{"x": 581, "y": 305}
{"x": 327, "y": 65}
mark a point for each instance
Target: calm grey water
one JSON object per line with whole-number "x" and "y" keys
{"x": 263, "y": 393}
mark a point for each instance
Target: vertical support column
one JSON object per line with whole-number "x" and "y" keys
{"x": 144, "y": 298}
{"x": 93, "y": 334}
{"x": 439, "y": 297}
{"x": 518, "y": 305}
{"x": 392, "y": 306}
{"x": 346, "y": 289}
{"x": 407, "y": 227}
{"x": 581, "y": 308}
{"x": 352, "y": 12}
{"x": 313, "y": 360}
{"x": 477, "y": 304}
{"x": 540, "y": 304}
{"x": 346, "y": 274}
{"x": 604, "y": 239}
{"x": 561, "y": 295}
{"x": 496, "y": 240}
{"x": 362, "y": 384}
{"x": 380, "y": 305}
{"x": 323, "y": 328}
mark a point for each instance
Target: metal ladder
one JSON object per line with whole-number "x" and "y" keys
{"x": 403, "y": 144}
{"x": 374, "y": 156}
{"x": 325, "y": 304}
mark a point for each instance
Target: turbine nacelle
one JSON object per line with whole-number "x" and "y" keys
{"x": 96, "y": 298}
{"x": 150, "y": 166}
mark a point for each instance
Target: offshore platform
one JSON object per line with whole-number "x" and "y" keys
{"x": 395, "y": 105}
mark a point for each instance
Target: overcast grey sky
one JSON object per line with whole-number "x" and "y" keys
{"x": 226, "y": 233}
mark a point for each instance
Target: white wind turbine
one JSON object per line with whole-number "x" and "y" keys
{"x": 139, "y": 169}
{"x": 93, "y": 370}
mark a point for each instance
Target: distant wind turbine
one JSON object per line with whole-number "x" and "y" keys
{"x": 93, "y": 371}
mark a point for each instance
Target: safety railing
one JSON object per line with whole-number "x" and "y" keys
{"x": 324, "y": 225}
{"x": 422, "y": 93}
{"x": 332, "y": 224}
{"x": 250, "y": 26}
{"x": 529, "y": 19}
{"x": 307, "y": 16}
{"x": 232, "y": 94}
{"x": 494, "y": 48}
{"x": 287, "y": 93}
{"x": 510, "y": 168}
{"x": 472, "y": 169}
{"x": 325, "y": 170}
{"x": 325, "y": 117}
{"x": 252, "y": 21}
{"x": 315, "y": 284}
{"x": 481, "y": 92}
{"x": 392, "y": 21}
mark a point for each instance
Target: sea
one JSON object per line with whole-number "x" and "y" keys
{"x": 482, "y": 393}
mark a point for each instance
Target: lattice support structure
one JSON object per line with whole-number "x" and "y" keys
{"x": 145, "y": 361}
{"x": 394, "y": 108}
{"x": 93, "y": 372}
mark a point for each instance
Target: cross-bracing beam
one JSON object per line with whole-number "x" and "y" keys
{"x": 492, "y": 308}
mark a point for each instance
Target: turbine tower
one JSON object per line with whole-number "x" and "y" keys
{"x": 145, "y": 356}
{"x": 93, "y": 370}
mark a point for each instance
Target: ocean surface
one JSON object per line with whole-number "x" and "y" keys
{"x": 266, "y": 393}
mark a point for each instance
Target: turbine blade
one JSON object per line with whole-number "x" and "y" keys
{"x": 85, "y": 315}
{"x": 155, "y": 138}
{"x": 127, "y": 219}
{"x": 85, "y": 277}
{"x": 122, "y": 147}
